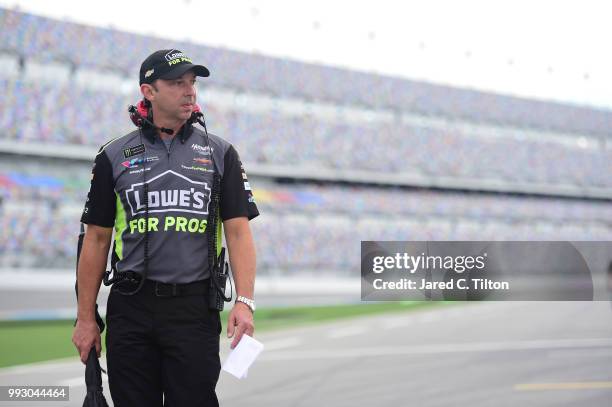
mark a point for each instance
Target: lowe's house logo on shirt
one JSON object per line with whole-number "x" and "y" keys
{"x": 170, "y": 192}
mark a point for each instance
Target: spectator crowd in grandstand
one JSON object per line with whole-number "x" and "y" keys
{"x": 39, "y": 210}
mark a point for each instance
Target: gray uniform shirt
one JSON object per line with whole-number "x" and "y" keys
{"x": 179, "y": 179}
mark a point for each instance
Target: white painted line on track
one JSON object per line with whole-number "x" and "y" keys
{"x": 580, "y": 353}
{"x": 440, "y": 349}
{"x": 397, "y": 322}
{"x": 428, "y": 317}
{"x": 41, "y": 367}
{"x": 348, "y": 331}
{"x": 282, "y": 344}
{"x": 79, "y": 381}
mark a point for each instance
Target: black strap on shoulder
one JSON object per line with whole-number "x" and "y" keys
{"x": 216, "y": 264}
{"x": 213, "y": 207}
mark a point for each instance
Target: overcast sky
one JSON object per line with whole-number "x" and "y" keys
{"x": 543, "y": 49}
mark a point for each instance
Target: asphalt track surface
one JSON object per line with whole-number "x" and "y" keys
{"x": 475, "y": 354}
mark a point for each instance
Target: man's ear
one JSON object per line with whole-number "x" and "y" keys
{"x": 147, "y": 91}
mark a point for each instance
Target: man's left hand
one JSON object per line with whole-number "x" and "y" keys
{"x": 239, "y": 322}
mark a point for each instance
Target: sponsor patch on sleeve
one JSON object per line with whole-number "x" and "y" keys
{"x": 132, "y": 151}
{"x": 243, "y": 172}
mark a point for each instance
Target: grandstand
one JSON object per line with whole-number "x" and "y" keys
{"x": 334, "y": 155}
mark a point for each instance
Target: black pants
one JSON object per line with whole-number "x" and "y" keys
{"x": 162, "y": 350}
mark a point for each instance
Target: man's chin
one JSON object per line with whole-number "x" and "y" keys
{"x": 185, "y": 114}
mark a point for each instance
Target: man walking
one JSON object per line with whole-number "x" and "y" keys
{"x": 162, "y": 188}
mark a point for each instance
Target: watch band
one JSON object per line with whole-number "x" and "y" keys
{"x": 248, "y": 301}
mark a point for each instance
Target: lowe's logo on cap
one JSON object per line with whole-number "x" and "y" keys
{"x": 173, "y": 54}
{"x": 175, "y": 57}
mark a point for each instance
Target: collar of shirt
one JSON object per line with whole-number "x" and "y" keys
{"x": 152, "y": 135}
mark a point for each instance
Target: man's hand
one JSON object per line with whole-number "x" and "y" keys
{"x": 239, "y": 322}
{"x": 92, "y": 264}
{"x": 86, "y": 334}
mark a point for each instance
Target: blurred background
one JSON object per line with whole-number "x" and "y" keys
{"x": 356, "y": 122}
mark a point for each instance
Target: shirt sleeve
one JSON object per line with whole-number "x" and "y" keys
{"x": 236, "y": 195}
{"x": 100, "y": 206}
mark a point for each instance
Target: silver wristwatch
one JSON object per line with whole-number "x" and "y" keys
{"x": 249, "y": 302}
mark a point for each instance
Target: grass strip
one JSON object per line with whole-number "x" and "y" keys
{"x": 36, "y": 341}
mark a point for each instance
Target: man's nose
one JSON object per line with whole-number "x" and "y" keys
{"x": 190, "y": 90}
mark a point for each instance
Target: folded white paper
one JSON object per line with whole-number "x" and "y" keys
{"x": 242, "y": 356}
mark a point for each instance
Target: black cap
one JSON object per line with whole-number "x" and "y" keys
{"x": 168, "y": 64}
